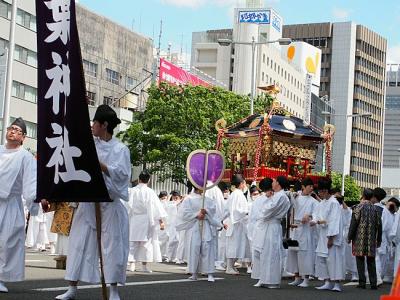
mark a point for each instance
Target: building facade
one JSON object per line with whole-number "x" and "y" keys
{"x": 353, "y": 77}
{"x": 117, "y": 64}
{"x": 232, "y": 63}
{"x": 391, "y": 146}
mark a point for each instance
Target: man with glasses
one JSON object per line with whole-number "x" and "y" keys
{"x": 17, "y": 181}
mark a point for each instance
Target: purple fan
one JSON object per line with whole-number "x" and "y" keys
{"x": 196, "y": 167}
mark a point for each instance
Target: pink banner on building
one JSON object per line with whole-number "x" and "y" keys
{"x": 175, "y": 75}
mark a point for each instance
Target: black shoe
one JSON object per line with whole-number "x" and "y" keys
{"x": 374, "y": 287}
{"x": 361, "y": 286}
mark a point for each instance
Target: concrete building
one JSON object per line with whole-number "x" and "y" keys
{"x": 353, "y": 77}
{"x": 391, "y": 147}
{"x": 117, "y": 63}
{"x": 232, "y": 64}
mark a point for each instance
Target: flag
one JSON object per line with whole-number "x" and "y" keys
{"x": 68, "y": 166}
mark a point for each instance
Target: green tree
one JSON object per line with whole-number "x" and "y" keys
{"x": 352, "y": 192}
{"x": 178, "y": 120}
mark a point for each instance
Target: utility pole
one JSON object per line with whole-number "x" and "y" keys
{"x": 10, "y": 59}
{"x": 157, "y": 60}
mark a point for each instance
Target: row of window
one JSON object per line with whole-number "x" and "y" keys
{"x": 370, "y": 50}
{"x": 366, "y": 135}
{"x": 320, "y": 42}
{"x": 24, "y": 91}
{"x": 283, "y": 73}
{"x": 21, "y": 54}
{"x": 369, "y": 79}
{"x": 378, "y": 98}
{"x": 393, "y": 102}
{"x": 364, "y": 106}
{"x": 24, "y": 18}
{"x": 368, "y": 122}
{"x": 362, "y": 177}
{"x": 91, "y": 69}
{"x": 365, "y": 163}
{"x": 369, "y": 65}
{"x": 365, "y": 149}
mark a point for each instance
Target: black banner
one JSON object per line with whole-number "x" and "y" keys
{"x": 68, "y": 166}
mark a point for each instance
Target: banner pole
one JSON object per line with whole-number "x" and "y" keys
{"x": 98, "y": 230}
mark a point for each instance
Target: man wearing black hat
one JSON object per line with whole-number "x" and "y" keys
{"x": 330, "y": 246}
{"x": 83, "y": 257}
{"x": 268, "y": 247}
{"x": 301, "y": 262}
{"x": 237, "y": 244}
{"x": 17, "y": 180}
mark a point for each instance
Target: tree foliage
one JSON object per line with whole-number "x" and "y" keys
{"x": 352, "y": 192}
{"x": 180, "y": 119}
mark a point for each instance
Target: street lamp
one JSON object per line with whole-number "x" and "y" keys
{"x": 253, "y": 43}
{"x": 365, "y": 115}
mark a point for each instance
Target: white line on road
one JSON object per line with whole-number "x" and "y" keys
{"x": 95, "y": 286}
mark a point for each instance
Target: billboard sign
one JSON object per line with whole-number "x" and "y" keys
{"x": 276, "y": 22}
{"x": 173, "y": 74}
{"x": 255, "y": 16}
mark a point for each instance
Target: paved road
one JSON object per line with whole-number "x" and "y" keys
{"x": 168, "y": 281}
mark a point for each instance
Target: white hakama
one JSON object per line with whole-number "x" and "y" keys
{"x": 267, "y": 243}
{"x": 17, "y": 180}
{"x": 83, "y": 256}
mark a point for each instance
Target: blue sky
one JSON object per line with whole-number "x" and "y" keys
{"x": 182, "y": 17}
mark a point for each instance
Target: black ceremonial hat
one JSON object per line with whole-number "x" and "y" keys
{"x": 20, "y": 123}
{"x": 105, "y": 113}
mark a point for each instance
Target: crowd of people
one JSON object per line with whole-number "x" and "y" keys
{"x": 273, "y": 230}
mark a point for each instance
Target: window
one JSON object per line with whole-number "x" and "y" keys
{"x": 5, "y": 10}
{"x": 91, "y": 98}
{"x": 23, "y": 91}
{"x": 130, "y": 83}
{"x": 25, "y": 56}
{"x": 107, "y": 100}
{"x": 90, "y": 68}
{"x": 26, "y": 19}
{"x": 112, "y": 76}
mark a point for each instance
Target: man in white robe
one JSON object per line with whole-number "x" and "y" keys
{"x": 330, "y": 248}
{"x": 267, "y": 243}
{"x": 301, "y": 262}
{"x": 83, "y": 256}
{"x": 173, "y": 235}
{"x": 146, "y": 214}
{"x": 237, "y": 244}
{"x": 162, "y": 234}
{"x": 17, "y": 180}
{"x": 202, "y": 223}
{"x": 216, "y": 194}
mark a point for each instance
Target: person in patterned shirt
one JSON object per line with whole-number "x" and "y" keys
{"x": 365, "y": 233}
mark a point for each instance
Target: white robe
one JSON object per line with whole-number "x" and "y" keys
{"x": 216, "y": 194}
{"x": 302, "y": 260}
{"x": 145, "y": 211}
{"x": 17, "y": 180}
{"x": 237, "y": 244}
{"x": 385, "y": 250}
{"x": 36, "y": 236}
{"x": 202, "y": 250}
{"x": 395, "y": 238}
{"x": 350, "y": 260}
{"x": 330, "y": 263}
{"x": 267, "y": 243}
{"x": 83, "y": 256}
{"x": 173, "y": 237}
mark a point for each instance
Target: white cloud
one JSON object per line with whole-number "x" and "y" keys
{"x": 227, "y": 3}
{"x": 393, "y": 55}
{"x": 341, "y": 13}
{"x": 184, "y": 3}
